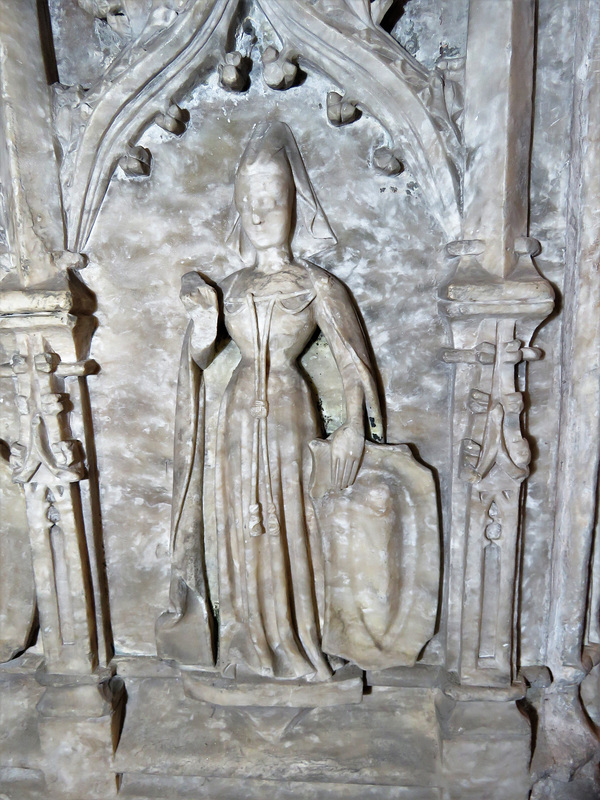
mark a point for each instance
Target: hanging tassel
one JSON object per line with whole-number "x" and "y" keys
{"x": 255, "y": 521}
{"x": 274, "y": 527}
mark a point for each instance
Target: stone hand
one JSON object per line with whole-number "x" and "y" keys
{"x": 347, "y": 447}
{"x": 196, "y": 294}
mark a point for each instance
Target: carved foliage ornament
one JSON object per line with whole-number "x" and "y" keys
{"x": 43, "y": 406}
{"x": 179, "y": 40}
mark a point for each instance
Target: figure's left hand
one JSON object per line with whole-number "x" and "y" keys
{"x": 347, "y": 447}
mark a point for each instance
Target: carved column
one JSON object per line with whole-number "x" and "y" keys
{"x": 46, "y": 327}
{"x": 49, "y": 464}
{"x": 494, "y": 301}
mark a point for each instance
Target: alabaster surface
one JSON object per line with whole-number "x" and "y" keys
{"x": 190, "y": 204}
{"x": 299, "y": 349}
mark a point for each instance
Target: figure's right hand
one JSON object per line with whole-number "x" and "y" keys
{"x": 196, "y": 293}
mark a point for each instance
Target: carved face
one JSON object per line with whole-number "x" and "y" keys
{"x": 265, "y": 199}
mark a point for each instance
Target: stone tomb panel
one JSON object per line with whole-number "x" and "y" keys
{"x": 152, "y": 231}
{"x": 391, "y": 738}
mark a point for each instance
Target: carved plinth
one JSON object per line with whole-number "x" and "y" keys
{"x": 21, "y": 762}
{"x": 400, "y": 743}
{"x": 385, "y": 747}
{"x": 345, "y": 688}
{"x": 79, "y": 723}
{"x": 58, "y": 733}
{"x": 497, "y": 754}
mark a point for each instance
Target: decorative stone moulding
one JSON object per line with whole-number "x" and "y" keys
{"x": 174, "y": 120}
{"x": 386, "y": 161}
{"x": 390, "y": 85}
{"x": 233, "y": 73}
{"x": 138, "y": 161}
{"x": 340, "y": 111}
{"x": 278, "y": 72}
{"x": 51, "y": 335}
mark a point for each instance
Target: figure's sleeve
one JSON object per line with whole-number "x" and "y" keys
{"x": 340, "y": 324}
{"x": 189, "y": 439}
{"x": 203, "y": 331}
{"x": 185, "y": 632}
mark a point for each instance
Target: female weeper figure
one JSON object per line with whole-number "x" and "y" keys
{"x": 270, "y": 596}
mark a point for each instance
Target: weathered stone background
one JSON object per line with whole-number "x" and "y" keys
{"x": 390, "y": 253}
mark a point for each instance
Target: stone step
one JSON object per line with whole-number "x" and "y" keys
{"x": 391, "y": 738}
{"x": 152, "y": 787}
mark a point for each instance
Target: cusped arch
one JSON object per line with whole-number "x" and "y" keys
{"x": 339, "y": 38}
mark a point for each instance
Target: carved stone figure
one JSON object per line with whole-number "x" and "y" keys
{"x": 273, "y": 590}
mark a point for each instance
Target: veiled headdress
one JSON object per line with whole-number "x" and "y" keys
{"x": 272, "y": 145}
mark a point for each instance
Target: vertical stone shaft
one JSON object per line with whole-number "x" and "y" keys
{"x": 494, "y": 301}
{"x": 497, "y": 127}
{"x": 45, "y": 321}
{"x": 28, "y": 168}
{"x": 566, "y": 739}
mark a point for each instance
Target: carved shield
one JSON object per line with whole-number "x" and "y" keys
{"x": 381, "y": 549}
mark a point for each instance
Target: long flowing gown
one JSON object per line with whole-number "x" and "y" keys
{"x": 267, "y": 546}
{"x": 270, "y": 559}
{"x": 270, "y": 562}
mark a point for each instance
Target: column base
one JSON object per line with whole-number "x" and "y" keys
{"x": 79, "y": 725}
{"x": 486, "y": 749}
{"x": 57, "y": 733}
{"x": 400, "y": 743}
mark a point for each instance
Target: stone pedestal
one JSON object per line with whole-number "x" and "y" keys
{"x": 58, "y": 733}
{"x": 485, "y": 749}
{"x": 400, "y": 743}
{"x": 78, "y": 725}
{"x": 385, "y": 747}
{"x": 21, "y": 765}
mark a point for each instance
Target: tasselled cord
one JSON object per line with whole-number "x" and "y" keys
{"x": 260, "y": 411}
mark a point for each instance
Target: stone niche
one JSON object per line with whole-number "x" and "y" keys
{"x": 299, "y": 350}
